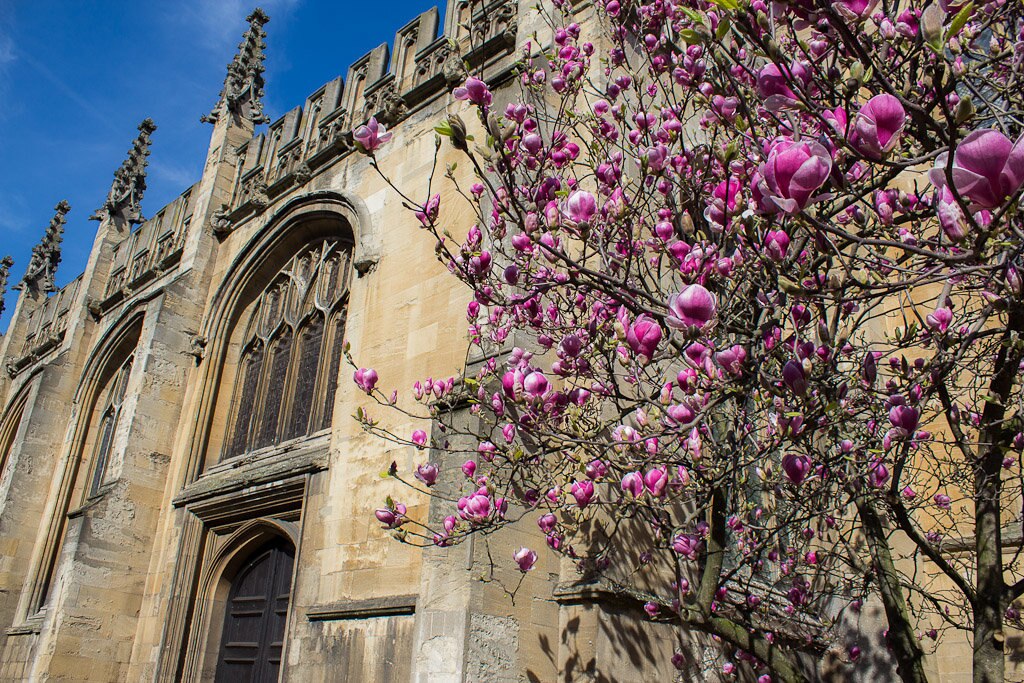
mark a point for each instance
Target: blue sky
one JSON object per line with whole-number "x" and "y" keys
{"x": 77, "y": 77}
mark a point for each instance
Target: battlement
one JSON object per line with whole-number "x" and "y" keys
{"x": 46, "y": 326}
{"x": 149, "y": 250}
{"x": 389, "y": 83}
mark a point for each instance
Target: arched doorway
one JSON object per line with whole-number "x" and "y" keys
{"x": 255, "y": 616}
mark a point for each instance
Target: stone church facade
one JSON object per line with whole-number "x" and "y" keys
{"x": 184, "y": 494}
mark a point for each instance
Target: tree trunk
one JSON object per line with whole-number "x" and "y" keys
{"x": 906, "y": 649}
{"x": 989, "y": 661}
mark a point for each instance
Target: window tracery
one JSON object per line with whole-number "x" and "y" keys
{"x": 291, "y": 351}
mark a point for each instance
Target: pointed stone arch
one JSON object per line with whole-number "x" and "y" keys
{"x": 300, "y": 222}
{"x": 217, "y": 580}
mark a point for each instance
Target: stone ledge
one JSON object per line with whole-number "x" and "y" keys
{"x": 310, "y": 454}
{"x": 397, "y": 605}
{"x": 576, "y": 593}
{"x": 30, "y": 627}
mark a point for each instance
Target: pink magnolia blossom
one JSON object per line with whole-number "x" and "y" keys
{"x": 854, "y": 10}
{"x": 475, "y": 507}
{"x": 474, "y": 90}
{"x": 794, "y": 377}
{"x": 525, "y": 558}
{"x": 371, "y": 136}
{"x": 656, "y": 480}
{"x": 644, "y": 335}
{"x": 878, "y": 126}
{"x": 595, "y": 469}
{"x": 427, "y": 473}
{"x": 796, "y": 467}
{"x": 940, "y": 319}
{"x": 878, "y": 474}
{"x": 904, "y": 417}
{"x": 942, "y": 501}
{"x": 775, "y": 85}
{"x": 686, "y": 545}
{"x": 429, "y": 213}
{"x": 365, "y": 379}
{"x": 536, "y": 385}
{"x": 793, "y": 173}
{"x": 581, "y": 206}
{"x": 419, "y": 437}
{"x": 392, "y": 517}
{"x": 583, "y": 492}
{"x": 469, "y": 469}
{"x": 692, "y": 308}
{"x": 776, "y": 244}
{"x": 547, "y": 523}
{"x": 732, "y": 359}
{"x": 987, "y": 168}
{"x": 633, "y": 484}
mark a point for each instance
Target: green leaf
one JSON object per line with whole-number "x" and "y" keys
{"x": 727, "y": 4}
{"x": 444, "y": 128}
{"x": 691, "y": 37}
{"x": 694, "y": 16}
{"x": 723, "y": 28}
{"x": 959, "y": 21}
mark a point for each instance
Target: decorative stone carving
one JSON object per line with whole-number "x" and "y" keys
{"x": 94, "y": 308}
{"x": 507, "y": 17}
{"x": 302, "y": 173}
{"x": 129, "y": 181}
{"x": 453, "y": 68}
{"x": 383, "y": 103}
{"x": 197, "y": 347}
{"x": 220, "y": 223}
{"x": 254, "y": 191}
{"x": 243, "y": 87}
{"x": 259, "y": 198}
{"x": 5, "y": 269}
{"x": 46, "y": 255}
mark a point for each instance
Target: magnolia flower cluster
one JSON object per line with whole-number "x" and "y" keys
{"x": 687, "y": 260}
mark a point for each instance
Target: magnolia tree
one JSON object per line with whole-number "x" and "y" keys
{"x": 747, "y": 320}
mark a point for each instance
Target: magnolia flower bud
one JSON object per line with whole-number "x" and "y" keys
{"x": 458, "y": 135}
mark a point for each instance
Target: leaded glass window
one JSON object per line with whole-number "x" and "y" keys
{"x": 108, "y": 424}
{"x": 291, "y": 347}
{"x": 311, "y": 339}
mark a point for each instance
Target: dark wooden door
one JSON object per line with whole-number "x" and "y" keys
{"x": 251, "y": 644}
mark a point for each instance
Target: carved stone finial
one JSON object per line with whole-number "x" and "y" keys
{"x": 243, "y": 87}
{"x": 46, "y": 255}
{"x": 129, "y": 181}
{"x": 5, "y": 269}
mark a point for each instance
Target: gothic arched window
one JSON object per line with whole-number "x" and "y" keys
{"x": 108, "y": 423}
{"x": 291, "y": 351}
{"x": 9, "y": 429}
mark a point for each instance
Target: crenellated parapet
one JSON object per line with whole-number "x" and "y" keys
{"x": 46, "y": 326}
{"x": 149, "y": 251}
{"x": 388, "y": 83}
